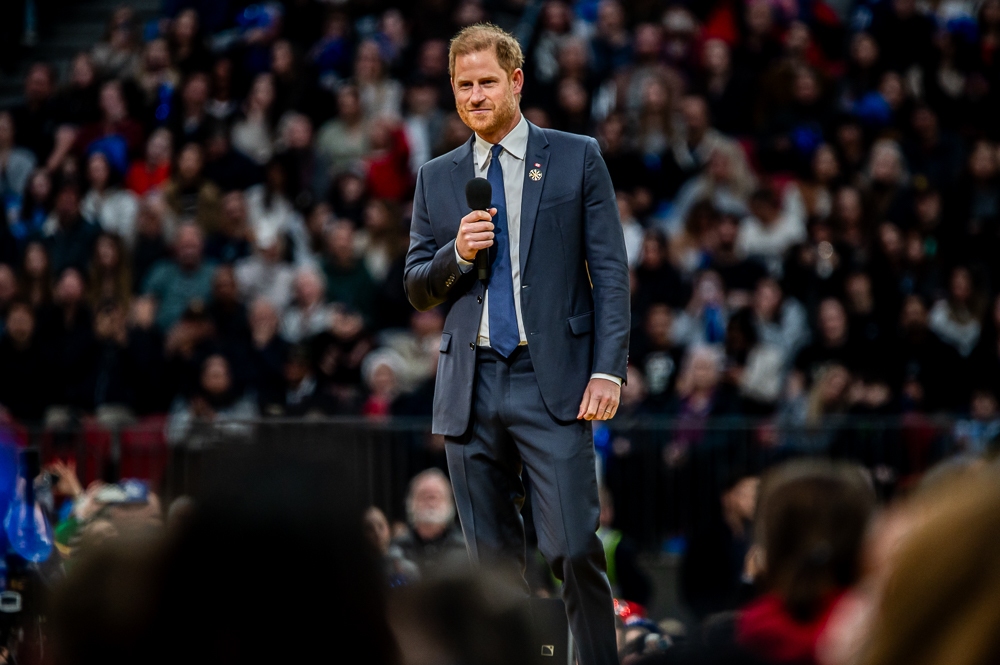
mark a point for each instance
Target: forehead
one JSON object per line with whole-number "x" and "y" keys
{"x": 477, "y": 65}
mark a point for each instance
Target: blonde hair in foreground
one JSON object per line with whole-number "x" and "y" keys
{"x": 942, "y": 604}
{"x": 486, "y": 37}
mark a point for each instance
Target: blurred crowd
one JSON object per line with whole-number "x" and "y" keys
{"x": 207, "y": 213}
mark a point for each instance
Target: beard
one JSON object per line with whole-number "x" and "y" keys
{"x": 499, "y": 117}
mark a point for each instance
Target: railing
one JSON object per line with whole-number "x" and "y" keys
{"x": 665, "y": 474}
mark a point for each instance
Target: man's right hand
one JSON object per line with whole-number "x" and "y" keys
{"x": 475, "y": 233}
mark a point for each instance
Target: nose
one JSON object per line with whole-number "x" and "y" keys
{"x": 477, "y": 94}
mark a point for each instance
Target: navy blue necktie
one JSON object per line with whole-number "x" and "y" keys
{"x": 504, "y": 337}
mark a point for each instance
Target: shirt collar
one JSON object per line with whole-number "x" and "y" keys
{"x": 515, "y": 143}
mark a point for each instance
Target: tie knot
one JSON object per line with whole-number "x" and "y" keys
{"x": 496, "y": 150}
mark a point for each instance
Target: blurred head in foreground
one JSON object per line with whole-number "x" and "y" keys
{"x": 271, "y": 566}
{"x": 940, "y": 603}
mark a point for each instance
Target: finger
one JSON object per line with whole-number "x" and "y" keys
{"x": 477, "y": 227}
{"x": 592, "y": 408}
{"x": 604, "y": 407}
{"x": 493, "y": 211}
{"x": 583, "y": 403}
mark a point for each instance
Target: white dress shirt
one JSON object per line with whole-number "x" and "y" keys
{"x": 515, "y": 147}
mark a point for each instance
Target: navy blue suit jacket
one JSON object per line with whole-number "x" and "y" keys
{"x": 574, "y": 273}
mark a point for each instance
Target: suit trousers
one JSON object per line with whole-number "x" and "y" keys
{"x": 511, "y": 429}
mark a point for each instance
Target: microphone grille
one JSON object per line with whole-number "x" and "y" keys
{"x": 478, "y": 193}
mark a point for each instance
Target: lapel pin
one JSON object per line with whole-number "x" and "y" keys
{"x": 535, "y": 174}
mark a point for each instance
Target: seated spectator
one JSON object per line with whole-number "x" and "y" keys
{"x": 955, "y": 319}
{"x": 24, "y": 362}
{"x": 150, "y": 244}
{"x": 106, "y": 204}
{"x": 416, "y": 348}
{"x": 833, "y": 344}
{"x": 432, "y": 538}
{"x": 347, "y": 279}
{"x": 152, "y": 172}
{"x": 657, "y": 279}
{"x": 36, "y": 206}
{"x": 157, "y": 78}
{"x": 227, "y": 311}
{"x": 176, "y": 283}
{"x": 69, "y": 236}
{"x": 700, "y": 396}
{"x": 187, "y": 47}
{"x": 381, "y": 370}
{"x": 379, "y": 239}
{"x": 36, "y": 276}
{"x": 78, "y": 101}
{"x": 398, "y": 570}
{"x": 339, "y": 355}
{"x": 253, "y": 133}
{"x": 308, "y": 180}
{"x": 233, "y": 239}
{"x": 264, "y": 274}
{"x": 189, "y": 121}
{"x": 188, "y": 195}
{"x": 781, "y": 321}
{"x": 753, "y": 368}
{"x": 115, "y": 132}
{"x": 217, "y": 410}
{"x": 924, "y": 362}
{"x": 110, "y": 273}
{"x": 657, "y": 355}
{"x": 9, "y": 292}
{"x": 303, "y": 396}
{"x": 631, "y": 228}
{"x": 114, "y": 370}
{"x": 388, "y": 161}
{"x": 739, "y": 273}
{"x": 268, "y": 352}
{"x": 980, "y": 432}
{"x": 773, "y": 226}
{"x": 116, "y": 56}
{"x": 343, "y": 140}
{"x": 16, "y": 165}
{"x": 703, "y": 321}
{"x": 35, "y": 117}
{"x": 308, "y": 314}
{"x": 66, "y": 328}
{"x": 229, "y": 169}
{"x": 271, "y": 213}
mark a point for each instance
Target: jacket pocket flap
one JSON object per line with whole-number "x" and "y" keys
{"x": 445, "y": 342}
{"x": 581, "y": 323}
{"x": 556, "y": 199}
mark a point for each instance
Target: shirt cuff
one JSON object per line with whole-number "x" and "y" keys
{"x": 609, "y": 377}
{"x": 463, "y": 265}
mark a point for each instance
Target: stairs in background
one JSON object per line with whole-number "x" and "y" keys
{"x": 77, "y": 28}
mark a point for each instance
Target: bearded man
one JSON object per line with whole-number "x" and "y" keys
{"x": 536, "y": 350}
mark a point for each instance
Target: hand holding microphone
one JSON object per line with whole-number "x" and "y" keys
{"x": 475, "y": 233}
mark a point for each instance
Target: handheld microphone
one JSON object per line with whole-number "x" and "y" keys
{"x": 479, "y": 194}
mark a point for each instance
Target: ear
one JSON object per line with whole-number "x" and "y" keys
{"x": 517, "y": 80}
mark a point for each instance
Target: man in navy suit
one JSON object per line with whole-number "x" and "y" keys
{"x": 540, "y": 349}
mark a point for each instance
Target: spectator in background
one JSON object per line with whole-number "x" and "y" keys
{"x": 189, "y": 195}
{"x": 956, "y": 319}
{"x": 216, "y": 410}
{"x": 175, "y": 284}
{"x": 343, "y": 140}
{"x": 106, "y": 204}
{"x": 781, "y": 321}
{"x": 432, "y": 540}
{"x": 78, "y": 101}
{"x": 189, "y": 121}
{"x": 24, "y": 363}
{"x": 36, "y": 206}
{"x": 655, "y": 352}
{"x": 398, "y": 570}
{"x": 232, "y": 241}
{"x": 628, "y": 581}
{"x": 303, "y": 396}
{"x": 347, "y": 279}
{"x": 309, "y": 314}
{"x": 773, "y": 226}
{"x": 69, "y": 237}
{"x": 35, "y": 119}
{"x": 150, "y": 244}
{"x": 380, "y": 96}
{"x": 424, "y": 121}
{"x": 116, "y": 56}
{"x": 116, "y": 133}
{"x": 157, "y": 79}
{"x": 381, "y": 370}
{"x": 152, "y": 172}
{"x": 268, "y": 352}
{"x": 271, "y": 213}
{"x": 379, "y": 239}
{"x": 110, "y": 278}
{"x": 253, "y": 132}
{"x": 36, "y": 275}
{"x": 16, "y": 165}
{"x": 187, "y": 47}
{"x": 229, "y": 169}
{"x": 631, "y": 228}
{"x": 264, "y": 274}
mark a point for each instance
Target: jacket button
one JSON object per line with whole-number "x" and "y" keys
{"x": 472, "y": 345}
{"x": 479, "y": 299}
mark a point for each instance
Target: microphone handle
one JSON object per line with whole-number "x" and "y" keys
{"x": 483, "y": 265}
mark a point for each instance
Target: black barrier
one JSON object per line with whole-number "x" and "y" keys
{"x": 665, "y": 474}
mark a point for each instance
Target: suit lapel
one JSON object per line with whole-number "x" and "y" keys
{"x": 463, "y": 171}
{"x": 531, "y": 193}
